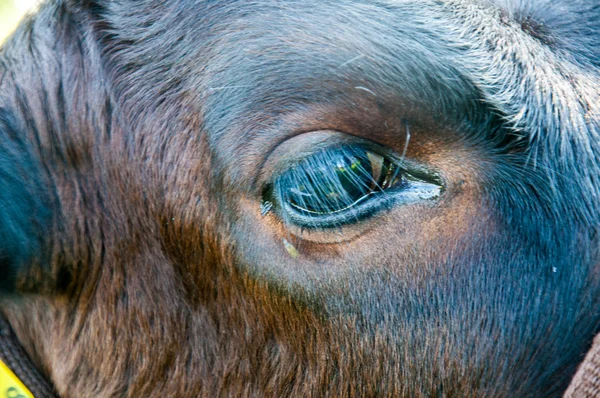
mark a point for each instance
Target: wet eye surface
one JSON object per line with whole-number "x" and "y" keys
{"x": 333, "y": 181}
{"x": 339, "y": 186}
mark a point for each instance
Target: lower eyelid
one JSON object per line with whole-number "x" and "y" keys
{"x": 411, "y": 192}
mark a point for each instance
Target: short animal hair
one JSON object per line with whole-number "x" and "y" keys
{"x": 302, "y": 198}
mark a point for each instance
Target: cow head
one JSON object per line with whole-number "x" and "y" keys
{"x": 395, "y": 198}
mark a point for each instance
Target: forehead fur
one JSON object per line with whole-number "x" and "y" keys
{"x": 570, "y": 25}
{"x": 526, "y": 61}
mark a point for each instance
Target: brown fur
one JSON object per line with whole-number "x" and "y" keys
{"x": 158, "y": 275}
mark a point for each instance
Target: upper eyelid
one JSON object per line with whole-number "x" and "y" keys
{"x": 295, "y": 150}
{"x": 320, "y": 165}
{"x": 405, "y": 163}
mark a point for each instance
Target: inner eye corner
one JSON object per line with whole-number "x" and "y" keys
{"x": 267, "y": 199}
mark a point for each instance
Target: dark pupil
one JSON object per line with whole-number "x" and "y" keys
{"x": 331, "y": 181}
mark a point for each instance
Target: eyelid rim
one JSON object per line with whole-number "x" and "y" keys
{"x": 416, "y": 173}
{"x": 296, "y": 149}
{"x": 364, "y": 211}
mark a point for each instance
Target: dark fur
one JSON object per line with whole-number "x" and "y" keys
{"x": 134, "y": 139}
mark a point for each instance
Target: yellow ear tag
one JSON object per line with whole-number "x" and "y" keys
{"x": 10, "y": 385}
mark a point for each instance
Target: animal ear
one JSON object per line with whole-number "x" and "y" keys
{"x": 25, "y": 215}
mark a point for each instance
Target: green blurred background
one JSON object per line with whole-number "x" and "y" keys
{"x": 11, "y": 11}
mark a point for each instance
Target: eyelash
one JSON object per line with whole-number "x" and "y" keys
{"x": 333, "y": 181}
{"x": 342, "y": 185}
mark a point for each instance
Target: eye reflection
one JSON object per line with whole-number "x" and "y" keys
{"x": 338, "y": 179}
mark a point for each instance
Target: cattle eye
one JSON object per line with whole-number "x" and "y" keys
{"x": 333, "y": 181}
{"x": 341, "y": 185}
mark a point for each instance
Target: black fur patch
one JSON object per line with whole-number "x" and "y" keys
{"x": 24, "y": 203}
